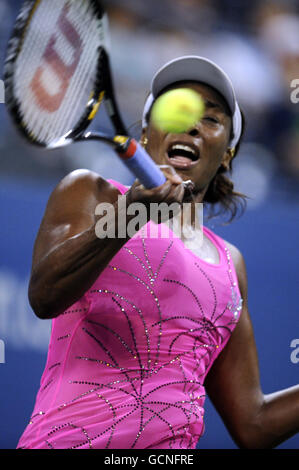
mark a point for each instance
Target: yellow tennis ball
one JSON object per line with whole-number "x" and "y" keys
{"x": 177, "y": 111}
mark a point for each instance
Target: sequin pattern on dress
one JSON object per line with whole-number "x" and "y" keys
{"x": 126, "y": 368}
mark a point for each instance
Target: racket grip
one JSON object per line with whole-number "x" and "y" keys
{"x": 140, "y": 163}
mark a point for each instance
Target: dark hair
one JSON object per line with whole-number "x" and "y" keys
{"x": 221, "y": 196}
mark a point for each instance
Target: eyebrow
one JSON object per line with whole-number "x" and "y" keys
{"x": 212, "y": 104}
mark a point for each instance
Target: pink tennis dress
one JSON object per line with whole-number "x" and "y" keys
{"x": 127, "y": 363}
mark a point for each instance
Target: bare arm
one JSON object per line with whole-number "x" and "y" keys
{"x": 254, "y": 420}
{"x": 68, "y": 256}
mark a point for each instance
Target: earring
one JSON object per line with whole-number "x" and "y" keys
{"x": 144, "y": 141}
{"x": 232, "y": 152}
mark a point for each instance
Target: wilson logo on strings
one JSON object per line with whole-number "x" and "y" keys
{"x": 51, "y": 59}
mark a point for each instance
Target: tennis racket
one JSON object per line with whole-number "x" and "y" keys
{"x": 57, "y": 73}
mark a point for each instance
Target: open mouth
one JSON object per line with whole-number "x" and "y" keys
{"x": 182, "y": 155}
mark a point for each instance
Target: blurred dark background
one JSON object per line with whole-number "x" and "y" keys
{"x": 257, "y": 43}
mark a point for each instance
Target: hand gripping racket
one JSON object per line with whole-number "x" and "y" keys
{"x": 57, "y": 74}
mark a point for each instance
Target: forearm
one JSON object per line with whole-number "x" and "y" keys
{"x": 279, "y": 417}
{"x": 64, "y": 275}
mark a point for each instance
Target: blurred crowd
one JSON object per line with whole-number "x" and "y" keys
{"x": 255, "y": 41}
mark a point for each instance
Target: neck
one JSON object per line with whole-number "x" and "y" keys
{"x": 194, "y": 198}
{"x": 187, "y": 224}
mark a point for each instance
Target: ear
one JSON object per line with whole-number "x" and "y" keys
{"x": 227, "y": 158}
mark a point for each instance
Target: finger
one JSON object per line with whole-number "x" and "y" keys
{"x": 180, "y": 193}
{"x": 171, "y": 174}
{"x": 159, "y": 193}
{"x": 176, "y": 194}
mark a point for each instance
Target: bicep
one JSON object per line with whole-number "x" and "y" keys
{"x": 233, "y": 383}
{"x": 69, "y": 211}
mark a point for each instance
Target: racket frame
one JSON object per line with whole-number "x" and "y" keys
{"x": 132, "y": 154}
{"x": 103, "y": 87}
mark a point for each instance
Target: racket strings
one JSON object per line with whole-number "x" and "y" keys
{"x": 66, "y": 121}
{"x": 29, "y": 60}
{"x": 77, "y": 98}
{"x": 83, "y": 25}
{"x": 44, "y": 38}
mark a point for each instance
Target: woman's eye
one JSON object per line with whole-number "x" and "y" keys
{"x": 211, "y": 119}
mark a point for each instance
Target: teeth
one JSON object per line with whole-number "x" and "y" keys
{"x": 186, "y": 148}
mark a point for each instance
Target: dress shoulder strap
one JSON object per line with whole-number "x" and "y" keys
{"x": 121, "y": 187}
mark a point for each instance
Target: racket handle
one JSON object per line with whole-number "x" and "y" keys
{"x": 140, "y": 163}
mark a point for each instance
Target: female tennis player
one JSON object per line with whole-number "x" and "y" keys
{"x": 143, "y": 327}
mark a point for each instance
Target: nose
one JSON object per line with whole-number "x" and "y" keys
{"x": 194, "y": 132}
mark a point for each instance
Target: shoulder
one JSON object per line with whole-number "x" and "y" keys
{"x": 81, "y": 178}
{"x": 236, "y": 255}
{"x": 79, "y": 185}
{"x": 79, "y": 192}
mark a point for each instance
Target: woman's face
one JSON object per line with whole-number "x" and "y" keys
{"x": 198, "y": 154}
